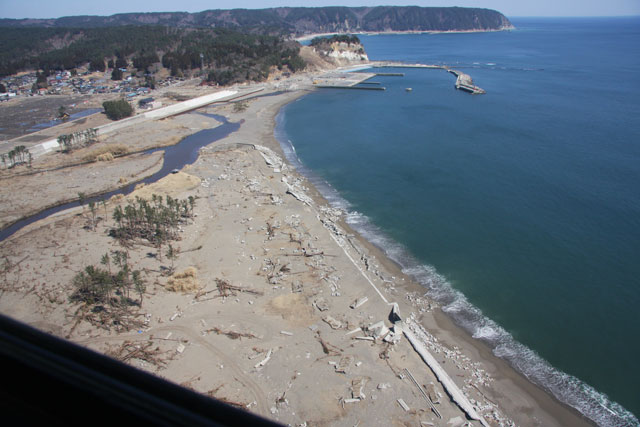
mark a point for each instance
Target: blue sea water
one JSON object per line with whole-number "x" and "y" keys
{"x": 518, "y": 210}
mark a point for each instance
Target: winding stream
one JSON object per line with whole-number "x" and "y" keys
{"x": 175, "y": 157}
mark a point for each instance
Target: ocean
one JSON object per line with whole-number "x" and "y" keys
{"x": 518, "y": 210}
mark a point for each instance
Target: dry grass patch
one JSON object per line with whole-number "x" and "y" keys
{"x": 184, "y": 281}
{"x": 106, "y": 152}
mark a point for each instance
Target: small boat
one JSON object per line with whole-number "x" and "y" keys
{"x": 175, "y": 171}
{"x": 408, "y": 89}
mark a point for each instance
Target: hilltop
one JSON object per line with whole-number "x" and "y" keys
{"x": 297, "y": 21}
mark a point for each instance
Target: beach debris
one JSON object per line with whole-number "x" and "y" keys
{"x": 394, "y": 316}
{"x": 353, "y": 332}
{"x": 343, "y": 365}
{"x": 214, "y": 393}
{"x": 296, "y": 191}
{"x": 456, "y": 421}
{"x": 286, "y": 333}
{"x": 378, "y": 330}
{"x": 403, "y": 405}
{"x": 297, "y": 287}
{"x": 357, "y": 387}
{"x": 313, "y": 327}
{"x": 225, "y": 289}
{"x": 365, "y": 338}
{"x": 383, "y": 386}
{"x": 175, "y": 315}
{"x": 394, "y": 336}
{"x": 231, "y": 334}
{"x": 180, "y": 348}
{"x": 327, "y": 348}
{"x": 269, "y": 156}
{"x": 321, "y": 304}
{"x": 335, "y": 324}
{"x": 452, "y": 389}
{"x": 144, "y": 351}
{"x": 433, "y": 394}
{"x": 357, "y": 303}
{"x": 264, "y": 361}
{"x": 426, "y": 397}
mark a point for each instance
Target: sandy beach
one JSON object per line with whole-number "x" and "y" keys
{"x": 282, "y": 308}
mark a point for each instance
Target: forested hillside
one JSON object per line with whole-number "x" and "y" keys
{"x": 236, "y": 55}
{"x": 298, "y": 20}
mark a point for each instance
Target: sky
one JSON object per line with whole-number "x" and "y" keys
{"x": 511, "y": 8}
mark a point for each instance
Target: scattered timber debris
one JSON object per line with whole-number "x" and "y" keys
{"x": 226, "y": 289}
{"x": 403, "y": 405}
{"x": 335, "y": 324}
{"x": 433, "y": 394}
{"x": 357, "y": 303}
{"x": 426, "y": 397}
{"x": 378, "y": 330}
{"x": 275, "y": 270}
{"x": 451, "y": 388}
{"x": 343, "y": 365}
{"x": 213, "y": 393}
{"x": 264, "y": 361}
{"x": 231, "y": 334}
{"x": 357, "y": 387}
{"x": 147, "y": 351}
{"x": 120, "y": 317}
{"x": 321, "y": 304}
{"x": 328, "y": 349}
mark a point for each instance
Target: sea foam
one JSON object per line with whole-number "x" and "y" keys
{"x": 566, "y": 388}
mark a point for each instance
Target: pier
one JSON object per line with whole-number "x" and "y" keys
{"x": 357, "y": 79}
{"x": 349, "y": 80}
{"x": 465, "y": 82}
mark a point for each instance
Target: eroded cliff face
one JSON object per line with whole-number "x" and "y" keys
{"x": 344, "y": 52}
{"x": 334, "y": 53}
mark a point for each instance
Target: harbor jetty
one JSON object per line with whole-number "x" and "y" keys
{"x": 346, "y": 80}
{"x": 463, "y": 81}
{"x": 358, "y": 78}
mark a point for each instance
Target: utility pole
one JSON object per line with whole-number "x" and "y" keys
{"x": 202, "y": 64}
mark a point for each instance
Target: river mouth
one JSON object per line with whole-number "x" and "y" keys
{"x": 176, "y": 156}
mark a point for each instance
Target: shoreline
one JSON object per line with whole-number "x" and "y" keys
{"x": 378, "y": 33}
{"x": 510, "y": 385}
{"x": 448, "y": 331}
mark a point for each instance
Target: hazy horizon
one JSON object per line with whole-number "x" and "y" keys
{"x": 39, "y": 9}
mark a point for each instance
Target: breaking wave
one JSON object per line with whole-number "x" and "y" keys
{"x": 566, "y": 388}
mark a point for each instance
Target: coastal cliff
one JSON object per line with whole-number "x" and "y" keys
{"x": 298, "y": 21}
{"x": 340, "y": 49}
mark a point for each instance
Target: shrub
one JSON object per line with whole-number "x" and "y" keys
{"x": 117, "y": 110}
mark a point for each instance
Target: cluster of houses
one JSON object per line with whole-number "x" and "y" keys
{"x": 64, "y": 83}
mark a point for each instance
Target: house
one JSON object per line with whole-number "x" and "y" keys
{"x": 145, "y": 103}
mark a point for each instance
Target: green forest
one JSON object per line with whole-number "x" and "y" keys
{"x": 226, "y": 54}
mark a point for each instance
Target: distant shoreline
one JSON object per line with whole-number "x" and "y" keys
{"x": 377, "y": 33}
